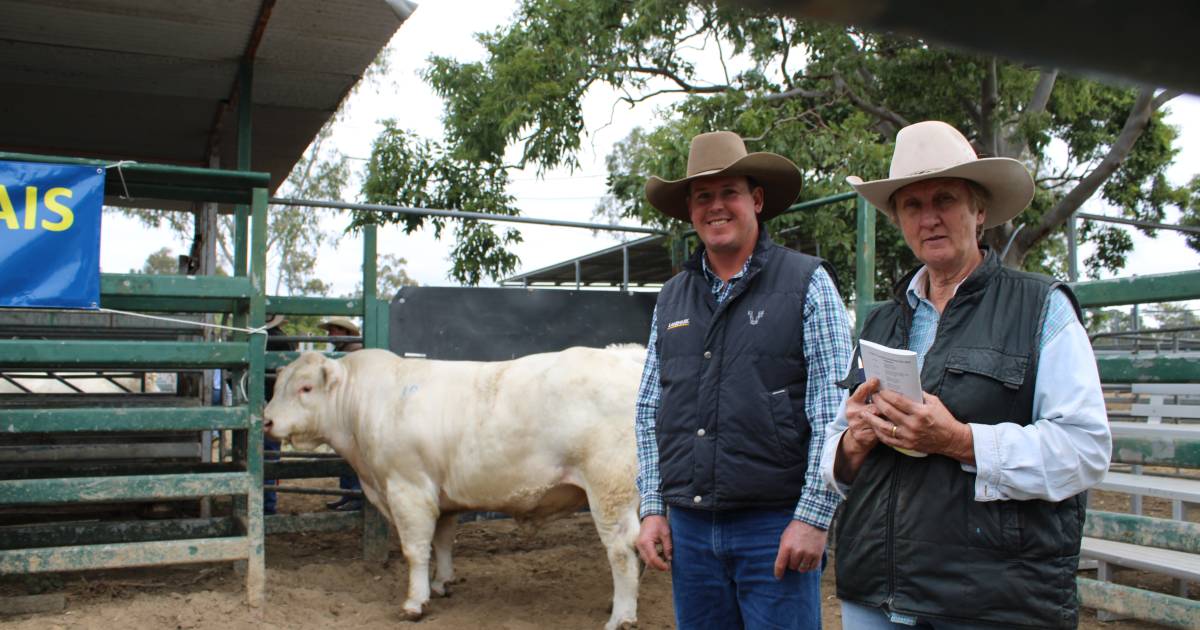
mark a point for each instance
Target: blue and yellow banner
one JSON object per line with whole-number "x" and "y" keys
{"x": 50, "y": 235}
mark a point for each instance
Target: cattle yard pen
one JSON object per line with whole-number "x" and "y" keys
{"x": 49, "y": 547}
{"x": 239, "y": 536}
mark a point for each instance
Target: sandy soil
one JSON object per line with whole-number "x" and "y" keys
{"x": 511, "y": 580}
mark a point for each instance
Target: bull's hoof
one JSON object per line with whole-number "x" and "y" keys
{"x": 412, "y": 613}
{"x": 626, "y": 624}
{"x": 440, "y": 589}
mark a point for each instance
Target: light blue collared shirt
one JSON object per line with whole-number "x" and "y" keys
{"x": 1067, "y": 448}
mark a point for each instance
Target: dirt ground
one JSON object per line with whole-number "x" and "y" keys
{"x": 555, "y": 578}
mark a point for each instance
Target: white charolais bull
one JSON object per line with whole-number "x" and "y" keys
{"x": 535, "y": 437}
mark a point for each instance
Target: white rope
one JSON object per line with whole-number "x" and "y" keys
{"x": 121, "y": 174}
{"x": 262, "y": 330}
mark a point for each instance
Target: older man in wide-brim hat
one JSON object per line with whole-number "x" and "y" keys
{"x": 973, "y": 517}
{"x": 739, "y": 385}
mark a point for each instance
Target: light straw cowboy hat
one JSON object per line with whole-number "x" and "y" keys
{"x": 723, "y": 153}
{"x": 933, "y": 149}
{"x": 343, "y": 322}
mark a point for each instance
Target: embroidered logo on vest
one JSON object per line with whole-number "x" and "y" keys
{"x": 754, "y": 318}
{"x": 677, "y": 324}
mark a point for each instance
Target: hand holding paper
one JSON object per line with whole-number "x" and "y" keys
{"x": 896, "y": 370}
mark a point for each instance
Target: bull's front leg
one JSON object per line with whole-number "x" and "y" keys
{"x": 415, "y": 514}
{"x": 443, "y": 545}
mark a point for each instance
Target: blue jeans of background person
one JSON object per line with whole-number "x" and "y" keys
{"x": 269, "y": 446}
{"x": 859, "y": 617}
{"x": 723, "y": 573}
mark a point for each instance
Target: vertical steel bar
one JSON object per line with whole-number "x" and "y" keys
{"x": 245, "y": 117}
{"x": 250, "y": 258}
{"x": 624, "y": 268}
{"x": 577, "y": 275}
{"x": 370, "y": 285}
{"x": 256, "y": 563}
{"x": 864, "y": 268}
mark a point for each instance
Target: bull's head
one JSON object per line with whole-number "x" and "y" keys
{"x": 302, "y": 392}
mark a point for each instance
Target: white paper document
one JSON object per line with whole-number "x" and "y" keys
{"x": 896, "y": 370}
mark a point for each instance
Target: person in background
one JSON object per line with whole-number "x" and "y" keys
{"x": 983, "y": 531}
{"x": 274, "y": 328}
{"x": 344, "y": 327}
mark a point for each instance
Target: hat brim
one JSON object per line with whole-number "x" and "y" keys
{"x": 1006, "y": 180}
{"x": 341, "y": 322}
{"x": 779, "y": 177}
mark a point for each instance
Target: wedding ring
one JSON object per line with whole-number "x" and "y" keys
{"x": 893, "y": 431}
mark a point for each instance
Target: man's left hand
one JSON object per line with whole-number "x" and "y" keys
{"x": 800, "y": 548}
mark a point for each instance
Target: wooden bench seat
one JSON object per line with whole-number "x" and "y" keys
{"x": 1174, "y": 488}
{"x": 1177, "y": 564}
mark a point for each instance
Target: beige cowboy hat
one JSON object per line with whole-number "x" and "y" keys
{"x": 933, "y": 149}
{"x": 343, "y": 322}
{"x": 724, "y": 153}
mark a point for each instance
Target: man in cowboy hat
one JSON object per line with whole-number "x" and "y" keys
{"x": 984, "y": 529}
{"x": 344, "y": 327}
{"x": 739, "y": 385}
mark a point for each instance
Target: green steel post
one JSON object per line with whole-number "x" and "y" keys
{"x": 370, "y": 276}
{"x": 244, "y": 112}
{"x": 864, "y": 276}
{"x": 256, "y": 562}
{"x": 375, "y": 526}
{"x": 374, "y": 536}
{"x": 383, "y": 323}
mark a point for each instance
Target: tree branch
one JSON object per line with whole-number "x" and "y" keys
{"x": 634, "y": 101}
{"x": 891, "y": 120}
{"x": 662, "y": 72}
{"x": 1163, "y": 97}
{"x": 1041, "y": 91}
{"x": 1135, "y": 124}
{"x": 988, "y": 98}
{"x": 796, "y": 92}
{"x": 787, "y": 78}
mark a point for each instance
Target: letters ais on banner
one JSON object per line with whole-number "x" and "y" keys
{"x": 50, "y": 235}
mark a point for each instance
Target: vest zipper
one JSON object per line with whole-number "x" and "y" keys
{"x": 891, "y": 532}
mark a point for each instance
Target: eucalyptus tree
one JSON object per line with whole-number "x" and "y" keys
{"x": 831, "y": 98}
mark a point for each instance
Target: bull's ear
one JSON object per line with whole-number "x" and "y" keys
{"x": 332, "y": 372}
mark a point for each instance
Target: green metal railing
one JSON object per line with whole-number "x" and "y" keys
{"x": 46, "y": 547}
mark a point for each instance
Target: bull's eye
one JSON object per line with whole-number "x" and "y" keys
{"x": 305, "y": 389}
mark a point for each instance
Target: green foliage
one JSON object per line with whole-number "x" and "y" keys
{"x": 161, "y": 263}
{"x": 408, "y": 171}
{"x": 830, "y": 98}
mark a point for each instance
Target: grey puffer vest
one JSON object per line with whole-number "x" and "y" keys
{"x": 912, "y": 538}
{"x": 732, "y": 430}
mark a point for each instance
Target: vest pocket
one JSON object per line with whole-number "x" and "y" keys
{"x": 789, "y": 436}
{"x": 993, "y": 524}
{"x": 982, "y": 379}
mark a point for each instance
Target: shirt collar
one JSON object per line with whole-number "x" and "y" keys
{"x": 918, "y": 288}
{"x": 712, "y": 277}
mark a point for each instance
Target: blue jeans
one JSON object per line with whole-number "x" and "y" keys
{"x": 270, "y": 446}
{"x": 859, "y": 617}
{"x": 723, "y": 573}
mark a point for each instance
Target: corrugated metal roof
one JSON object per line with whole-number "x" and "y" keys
{"x": 649, "y": 265}
{"x": 145, "y": 79}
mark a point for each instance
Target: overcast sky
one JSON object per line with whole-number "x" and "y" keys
{"x": 447, "y": 28}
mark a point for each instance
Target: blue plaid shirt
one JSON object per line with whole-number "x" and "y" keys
{"x": 827, "y": 350}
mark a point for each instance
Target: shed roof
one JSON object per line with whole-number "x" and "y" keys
{"x": 150, "y": 80}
